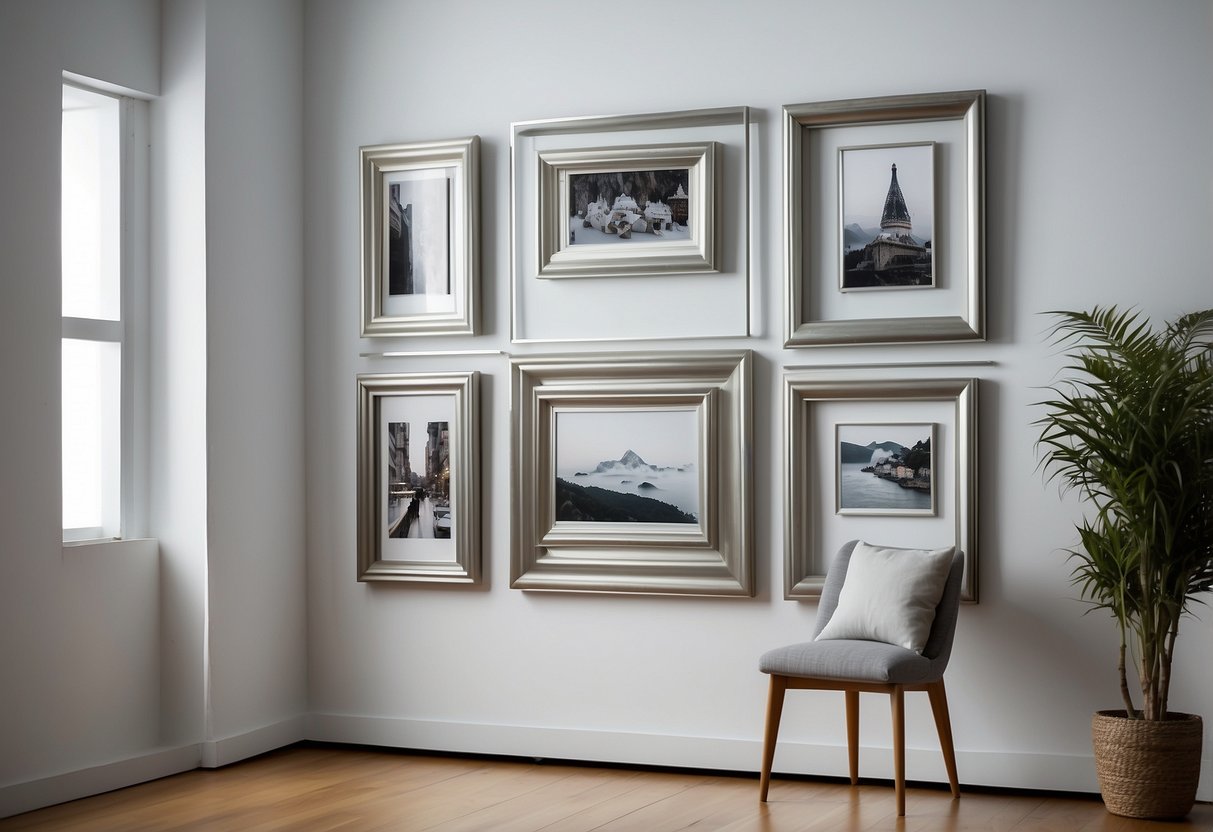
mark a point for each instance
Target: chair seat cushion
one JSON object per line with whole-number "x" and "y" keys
{"x": 853, "y": 660}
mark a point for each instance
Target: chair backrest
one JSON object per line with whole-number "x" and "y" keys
{"x": 943, "y": 630}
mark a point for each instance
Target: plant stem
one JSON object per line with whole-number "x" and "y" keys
{"x": 1166, "y": 664}
{"x": 1130, "y": 711}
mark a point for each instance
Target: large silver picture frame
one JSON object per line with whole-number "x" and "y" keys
{"x": 443, "y": 492}
{"x": 449, "y": 310}
{"x": 647, "y": 253}
{"x": 712, "y": 555}
{"x": 690, "y": 281}
{"x": 809, "y": 478}
{"x": 812, "y": 136}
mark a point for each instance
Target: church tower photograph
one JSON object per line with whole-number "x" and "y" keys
{"x": 887, "y": 217}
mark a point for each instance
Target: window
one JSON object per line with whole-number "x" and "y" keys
{"x": 102, "y": 170}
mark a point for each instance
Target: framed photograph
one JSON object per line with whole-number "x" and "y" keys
{"x": 886, "y": 217}
{"x": 419, "y": 477}
{"x": 884, "y": 194}
{"x": 631, "y": 227}
{"x": 631, "y": 473}
{"x": 630, "y": 211}
{"x": 890, "y": 460}
{"x": 884, "y": 469}
{"x": 420, "y": 237}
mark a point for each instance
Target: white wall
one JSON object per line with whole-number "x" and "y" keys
{"x": 254, "y": 360}
{"x": 228, "y": 375}
{"x": 79, "y": 635}
{"x": 177, "y": 294}
{"x": 122, "y": 663}
{"x": 1098, "y": 190}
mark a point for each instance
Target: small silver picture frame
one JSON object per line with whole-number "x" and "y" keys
{"x": 420, "y": 217}
{"x": 418, "y": 478}
{"x": 675, "y": 227}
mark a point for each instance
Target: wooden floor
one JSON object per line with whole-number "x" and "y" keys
{"x": 337, "y": 788}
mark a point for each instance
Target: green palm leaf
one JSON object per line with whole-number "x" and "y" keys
{"x": 1130, "y": 428}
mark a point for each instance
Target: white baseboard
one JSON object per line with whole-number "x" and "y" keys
{"x": 139, "y": 768}
{"x": 237, "y": 747}
{"x": 528, "y": 741}
{"x": 1047, "y": 772}
{"x": 72, "y": 785}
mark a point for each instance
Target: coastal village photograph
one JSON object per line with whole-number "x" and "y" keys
{"x": 629, "y": 206}
{"x": 887, "y": 212}
{"x": 885, "y": 469}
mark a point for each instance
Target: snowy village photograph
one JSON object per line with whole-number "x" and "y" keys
{"x": 626, "y": 210}
{"x": 887, "y": 212}
{"x": 634, "y": 207}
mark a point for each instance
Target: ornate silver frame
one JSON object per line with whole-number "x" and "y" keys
{"x": 375, "y": 162}
{"x": 804, "y": 566}
{"x": 714, "y": 557}
{"x": 800, "y": 123}
{"x": 463, "y": 388}
{"x": 716, "y": 142}
{"x": 556, "y": 259}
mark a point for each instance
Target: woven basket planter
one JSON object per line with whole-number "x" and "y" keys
{"x": 1147, "y": 769}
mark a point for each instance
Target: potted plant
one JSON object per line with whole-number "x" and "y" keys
{"x": 1131, "y": 429}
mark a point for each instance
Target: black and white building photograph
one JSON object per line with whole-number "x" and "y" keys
{"x": 418, "y": 235}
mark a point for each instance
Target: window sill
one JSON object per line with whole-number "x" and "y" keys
{"x": 113, "y": 546}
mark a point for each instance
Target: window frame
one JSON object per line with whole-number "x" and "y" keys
{"x": 130, "y": 331}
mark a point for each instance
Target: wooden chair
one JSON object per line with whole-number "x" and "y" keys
{"x": 855, "y": 667}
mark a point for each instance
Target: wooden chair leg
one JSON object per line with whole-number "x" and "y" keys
{"x": 898, "y": 702}
{"x": 943, "y": 724}
{"x": 779, "y": 684}
{"x": 853, "y": 734}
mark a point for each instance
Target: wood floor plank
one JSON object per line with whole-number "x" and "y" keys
{"x": 337, "y": 789}
{"x": 550, "y": 805}
{"x": 651, "y": 788}
{"x": 717, "y": 801}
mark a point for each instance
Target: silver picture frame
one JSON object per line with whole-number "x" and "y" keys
{"x": 709, "y": 396}
{"x": 441, "y": 239}
{"x": 816, "y": 313}
{"x": 634, "y": 288}
{"x": 563, "y": 254}
{"x": 811, "y": 528}
{"x": 419, "y": 521}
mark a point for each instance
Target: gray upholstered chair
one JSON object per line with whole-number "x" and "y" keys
{"x": 855, "y": 667}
